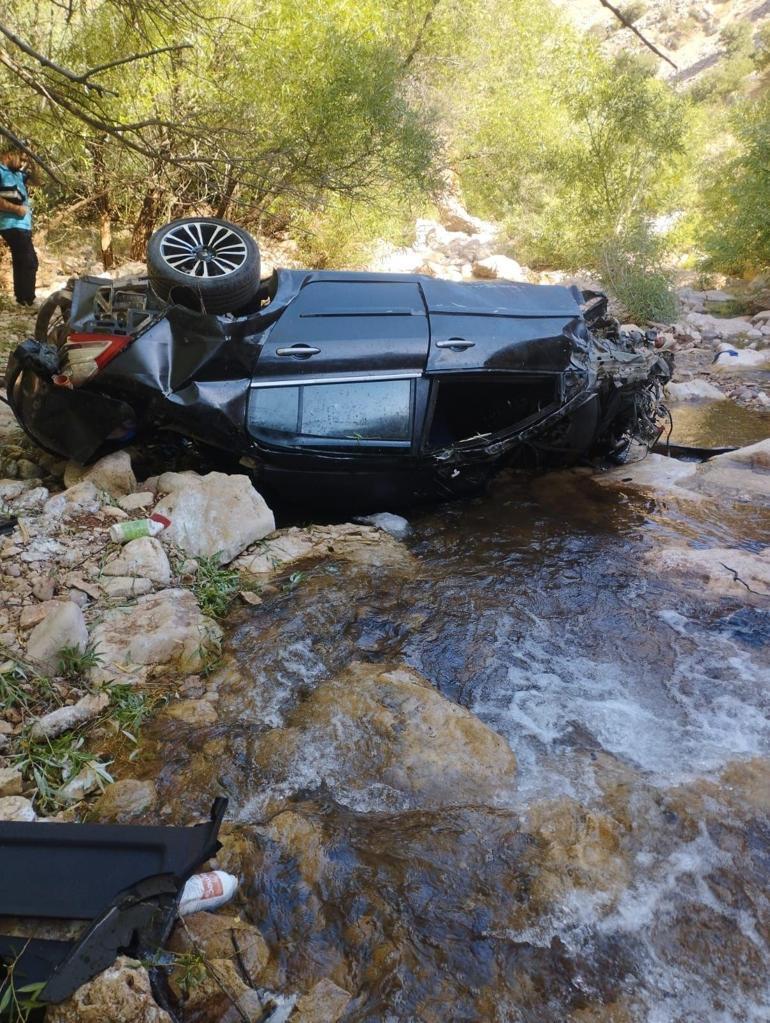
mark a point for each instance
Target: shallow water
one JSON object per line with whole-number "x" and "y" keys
{"x": 717, "y": 424}
{"x": 624, "y": 877}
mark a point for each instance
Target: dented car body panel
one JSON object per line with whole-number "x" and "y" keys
{"x": 393, "y": 387}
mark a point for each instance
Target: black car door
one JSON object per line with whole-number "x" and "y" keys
{"x": 342, "y": 367}
{"x": 340, "y": 324}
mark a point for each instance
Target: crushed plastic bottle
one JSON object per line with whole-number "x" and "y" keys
{"x": 207, "y": 891}
{"x": 122, "y": 532}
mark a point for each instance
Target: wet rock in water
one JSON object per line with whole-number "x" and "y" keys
{"x": 214, "y": 514}
{"x": 144, "y": 557}
{"x": 198, "y": 713}
{"x": 164, "y": 628}
{"x": 125, "y": 800}
{"x": 122, "y": 993}
{"x": 222, "y": 935}
{"x": 16, "y": 808}
{"x": 695, "y": 390}
{"x": 363, "y": 546}
{"x": 379, "y": 736}
{"x": 216, "y": 992}
{"x": 324, "y": 1003}
{"x": 10, "y": 781}
{"x": 64, "y": 718}
{"x": 574, "y": 848}
{"x": 63, "y": 626}
{"x": 719, "y": 571}
{"x": 740, "y": 475}
{"x": 112, "y": 474}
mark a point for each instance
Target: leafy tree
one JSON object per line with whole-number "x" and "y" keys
{"x": 735, "y": 221}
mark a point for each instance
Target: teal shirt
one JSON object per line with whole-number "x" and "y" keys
{"x": 9, "y": 178}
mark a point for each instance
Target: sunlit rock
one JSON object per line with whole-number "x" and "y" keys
{"x": 165, "y": 628}
{"x": 212, "y": 515}
{"x": 377, "y": 736}
{"x": 112, "y": 474}
{"x": 121, "y": 993}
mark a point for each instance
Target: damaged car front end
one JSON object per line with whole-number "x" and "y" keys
{"x": 356, "y": 389}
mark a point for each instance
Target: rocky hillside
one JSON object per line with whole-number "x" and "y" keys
{"x": 687, "y": 32}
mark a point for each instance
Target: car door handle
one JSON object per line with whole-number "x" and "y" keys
{"x": 457, "y": 344}
{"x": 299, "y": 351}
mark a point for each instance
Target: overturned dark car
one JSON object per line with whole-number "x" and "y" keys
{"x": 364, "y": 389}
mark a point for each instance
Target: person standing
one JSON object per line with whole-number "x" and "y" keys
{"x": 16, "y": 224}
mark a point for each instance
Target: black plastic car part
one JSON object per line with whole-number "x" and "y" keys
{"x": 125, "y": 880}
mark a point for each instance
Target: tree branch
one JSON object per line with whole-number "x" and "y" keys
{"x": 17, "y": 142}
{"x": 45, "y": 62}
{"x": 127, "y": 60}
{"x": 624, "y": 21}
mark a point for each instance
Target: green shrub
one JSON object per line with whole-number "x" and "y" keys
{"x": 632, "y": 270}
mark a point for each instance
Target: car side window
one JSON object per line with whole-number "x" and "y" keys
{"x": 372, "y": 412}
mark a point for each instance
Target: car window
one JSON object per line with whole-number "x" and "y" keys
{"x": 367, "y": 411}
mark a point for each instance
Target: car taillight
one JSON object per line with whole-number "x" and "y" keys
{"x": 83, "y": 355}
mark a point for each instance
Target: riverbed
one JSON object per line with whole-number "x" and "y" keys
{"x": 621, "y": 874}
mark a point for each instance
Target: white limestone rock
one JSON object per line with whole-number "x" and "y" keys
{"x": 214, "y": 514}
{"x": 64, "y": 626}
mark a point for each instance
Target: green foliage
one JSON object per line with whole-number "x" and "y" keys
{"x": 735, "y": 212}
{"x": 18, "y": 1002}
{"x": 632, "y": 269}
{"x": 74, "y": 663}
{"x": 51, "y": 763}
{"x": 22, "y": 690}
{"x": 571, "y": 149}
{"x": 130, "y": 706}
{"x": 215, "y": 587}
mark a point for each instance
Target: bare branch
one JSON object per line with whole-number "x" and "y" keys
{"x": 17, "y": 142}
{"x": 45, "y": 62}
{"x": 127, "y": 60}
{"x": 624, "y": 21}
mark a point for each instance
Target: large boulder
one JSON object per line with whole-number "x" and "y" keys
{"x": 716, "y": 571}
{"x": 384, "y": 735}
{"x": 112, "y": 474}
{"x": 695, "y": 390}
{"x": 121, "y": 993}
{"x": 499, "y": 267}
{"x": 212, "y": 515}
{"x": 143, "y": 558}
{"x": 166, "y": 628}
{"x": 63, "y": 626}
{"x": 361, "y": 545}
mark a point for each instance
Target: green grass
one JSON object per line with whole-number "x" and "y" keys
{"x": 20, "y": 691}
{"x": 130, "y": 706}
{"x": 74, "y": 663}
{"x": 215, "y": 587}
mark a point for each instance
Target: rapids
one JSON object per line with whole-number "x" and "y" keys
{"x": 621, "y": 875}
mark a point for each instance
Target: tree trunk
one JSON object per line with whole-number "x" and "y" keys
{"x": 102, "y": 203}
{"x": 145, "y": 222}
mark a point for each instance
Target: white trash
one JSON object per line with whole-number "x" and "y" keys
{"x": 207, "y": 891}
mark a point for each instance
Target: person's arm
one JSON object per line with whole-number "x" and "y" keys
{"x": 12, "y": 207}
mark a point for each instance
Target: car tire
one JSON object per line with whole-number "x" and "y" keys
{"x": 203, "y": 262}
{"x": 53, "y": 316}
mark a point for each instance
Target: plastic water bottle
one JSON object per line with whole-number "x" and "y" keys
{"x": 207, "y": 891}
{"x": 122, "y": 532}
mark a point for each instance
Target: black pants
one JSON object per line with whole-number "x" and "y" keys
{"x": 24, "y": 259}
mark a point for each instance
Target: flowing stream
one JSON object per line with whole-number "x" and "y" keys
{"x": 622, "y": 877}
